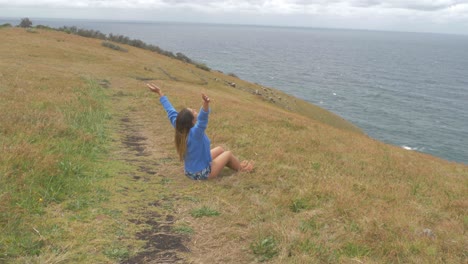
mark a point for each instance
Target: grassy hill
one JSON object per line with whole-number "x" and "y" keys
{"x": 89, "y": 173}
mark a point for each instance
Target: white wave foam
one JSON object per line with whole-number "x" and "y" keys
{"x": 420, "y": 149}
{"x": 408, "y": 148}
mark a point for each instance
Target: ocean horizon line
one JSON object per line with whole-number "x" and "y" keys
{"x": 224, "y": 24}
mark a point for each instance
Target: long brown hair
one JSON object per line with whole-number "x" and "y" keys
{"x": 184, "y": 123}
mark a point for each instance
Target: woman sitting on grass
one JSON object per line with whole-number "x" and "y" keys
{"x": 192, "y": 144}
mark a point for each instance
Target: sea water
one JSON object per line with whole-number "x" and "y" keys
{"x": 405, "y": 89}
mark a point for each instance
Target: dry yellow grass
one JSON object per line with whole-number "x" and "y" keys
{"x": 322, "y": 192}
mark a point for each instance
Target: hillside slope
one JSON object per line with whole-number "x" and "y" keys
{"x": 322, "y": 191}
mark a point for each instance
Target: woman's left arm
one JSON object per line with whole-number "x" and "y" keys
{"x": 206, "y": 102}
{"x": 202, "y": 121}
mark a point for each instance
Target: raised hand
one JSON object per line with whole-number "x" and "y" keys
{"x": 206, "y": 102}
{"x": 154, "y": 88}
{"x": 205, "y": 98}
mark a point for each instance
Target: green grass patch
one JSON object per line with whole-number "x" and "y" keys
{"x": 353, "y": 250}
{"x": 204, "y": 211}
{"x": 265, "y": 248}
{"x": 117, "y": 253}
{"x": 50, "y": 166}
{"x": 183, "y": 229}
{"x": 310, "y": 225}
{"x": 298, "y": 205}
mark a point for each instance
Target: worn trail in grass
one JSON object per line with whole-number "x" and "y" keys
{"x": 149, "y": 171}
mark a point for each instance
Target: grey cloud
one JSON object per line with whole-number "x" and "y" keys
{"x": 365, "y": 3}
{"x": 426, "y": 5}
{"x": 213, "y": 2}
{"x": 297, "y": 5}
{"x": 419, "y": 5}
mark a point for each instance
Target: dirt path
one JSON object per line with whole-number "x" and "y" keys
{"x": 144, "y": 144}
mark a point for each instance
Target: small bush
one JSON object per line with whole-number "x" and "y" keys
{"x": 265, "y": 249}
{"x": 25, "y": 23}
{"x": 43, "y": 27}
{"x": 204, "y": 211}
{"x": 132, "y": 42}
{"x": 6, "y": 25}
{"x": 202, "y": 66}
{"x": 182, "y": 57}
{"x": 113, "y": 46}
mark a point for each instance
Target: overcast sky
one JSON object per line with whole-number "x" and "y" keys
{"x": 443, "y": 16}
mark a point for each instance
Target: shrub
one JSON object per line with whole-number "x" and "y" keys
{"x": 88, "y": 33}
{"x": 43, "y": 27}
{"x": 5, "y": 25}
{"x": 113, "y": 46}
{"x": 202, "y": 66}
{"x": 25, "y": 23}
{"x": 182, "y": 57}
{"x": 132, "y": 42}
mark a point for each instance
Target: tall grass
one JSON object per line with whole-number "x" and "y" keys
{"x": 50, "y": 150}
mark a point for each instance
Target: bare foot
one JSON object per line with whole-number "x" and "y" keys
{"x": 247, "y": 166}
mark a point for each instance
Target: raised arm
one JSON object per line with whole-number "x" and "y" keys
{"x": 154, "y": 88}
{"x": 171, "y": 112}
{"x": 202, "y": 120}
{"x": 206, "y": 102}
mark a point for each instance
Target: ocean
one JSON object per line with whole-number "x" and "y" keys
{"x": 405, "y": 89}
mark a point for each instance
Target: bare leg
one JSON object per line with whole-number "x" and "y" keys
{"x": 216, "y": 152}
{"x": 228, "y": 159}
{"x": 224, "y": 159}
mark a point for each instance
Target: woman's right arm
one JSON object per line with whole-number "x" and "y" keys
{"x": 171, "y": 112}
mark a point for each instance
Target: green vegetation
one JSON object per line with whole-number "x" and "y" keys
{"x": 113, "y": 46}
{"x": 355, "y": 250}
{"x": 117, "y": 253}
{"x": 25, "y": 23}
{"x": 204, "y": 211}
{"x": 89, "y": 33}
{"x": 51, "y": 152}
{"x": 265, "y": 248}
{"x": 299, "y": 205}
{"x": 183, "y": 229}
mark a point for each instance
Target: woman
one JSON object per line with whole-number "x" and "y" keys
{"x": 192, "y": 144}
